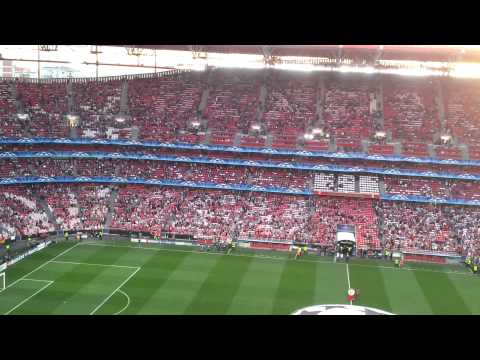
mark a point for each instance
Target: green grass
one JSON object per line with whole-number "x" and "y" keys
{"x": 122, "y": 278}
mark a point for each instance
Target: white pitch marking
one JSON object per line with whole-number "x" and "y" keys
{"x": 128, "y": 302}
{"x": 279, "y": 258}
{"x": 114, "y": 291}
{"x": 92, "y": 264}
{"x": 348, "y": 280}
{"x": 41, "y": 266}
{"x": 36, "y": 280}
{"x": 31, "y": 296}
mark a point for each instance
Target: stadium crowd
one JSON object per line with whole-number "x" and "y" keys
{"x": 251, "y": 175}
{"x": 222, "y": 107}
{"x": 217, "y": 105}
{"x": 220, "y": 214}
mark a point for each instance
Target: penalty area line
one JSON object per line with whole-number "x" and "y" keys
{"x": 42, "y": 265}
{"x": 92, "y": 264}
{"x": 114, "y": 291}
{"x": 31, "y": 296}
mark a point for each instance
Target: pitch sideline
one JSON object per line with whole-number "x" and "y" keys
{"x": 277, "y": 258}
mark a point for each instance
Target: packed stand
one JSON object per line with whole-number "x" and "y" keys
{"x": 331, "y": 212}
{"x": 347, "y": 112}
{"x": 410, "y": 112}
{"x": 290, "y": 106}
{"x": 20, "y": 214}
{"x": 232, "y": 102}
{"x": 15, "y": 168}
{"x": 166, "y": 108}
{"x": 275, "y": 217}
{"x": 63, "y": 204}
{"x": 10, "y": 125}
{"x": 200, "y": 213}
{"x": 97, "y": 104}
{"x": 46, "y": 106}
{"x": 419, "y": 187}
{"x": 428, "y": 227}
{"x": 463, "y": 110}
{"x": 92, "y": 202}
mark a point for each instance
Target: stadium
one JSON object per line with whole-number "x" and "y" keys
{"x": 239, "y": 180}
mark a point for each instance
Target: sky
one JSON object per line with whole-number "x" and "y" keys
{"x": 77, "y": 55}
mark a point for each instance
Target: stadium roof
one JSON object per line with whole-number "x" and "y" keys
{"x": 466, "y": 53}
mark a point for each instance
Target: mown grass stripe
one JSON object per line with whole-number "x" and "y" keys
{"x": 154, "y": 273}
{"x": 33, "y": 261}
{"x": 296, "y": 288}
{"x": 404, "y": 293}
{"x": 468, "y": 289}
{"x": 372, "y": 287}
{"x": 441, "y": 294}
{"x": 70, "y": 285}
{"x": 220, "y": 287}
{"x": 256, "y": 293}
{"x": 175, "y": 295}
{"x": 330, "y": 286}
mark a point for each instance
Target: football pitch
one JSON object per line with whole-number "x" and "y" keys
{"x": 121, "y": 278}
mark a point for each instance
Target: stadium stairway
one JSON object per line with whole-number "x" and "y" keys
{"x": 268, "y": 141}
{"x": 397, "y": 148}
{"x": 73, "y": 133}
{"x": 378, "y": 106}
{"x": 440, "y": 104}
{"x": 46, "y": 208}
{"x": 465, "y": 152}
{"x": 75, "y": 191}
{"x": 124, "y": 99}
{"x": 203, "y": 100}
{"x": 381, "y": 186}
{"x": 32, "y": 169}
{"x": 71, "y": 101}
{"x": 237, "y": 138}
{"x": 365, "y": 144}
{"x": 357, "y": 184}
{"x": 380, "y": 101}
{"x": 261, "y": 103}
{"x": 135, "y": 132}
{"x": 208, "y": 136}
{"x": 111, "y": 206}
{"x": 319, "y": 104}
{"x": 18, "y": 103}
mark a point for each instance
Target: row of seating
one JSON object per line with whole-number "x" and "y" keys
{"x": 267, "y": 177}
{"x": 168, "y": 109}
{"x": 218, "y": 214}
